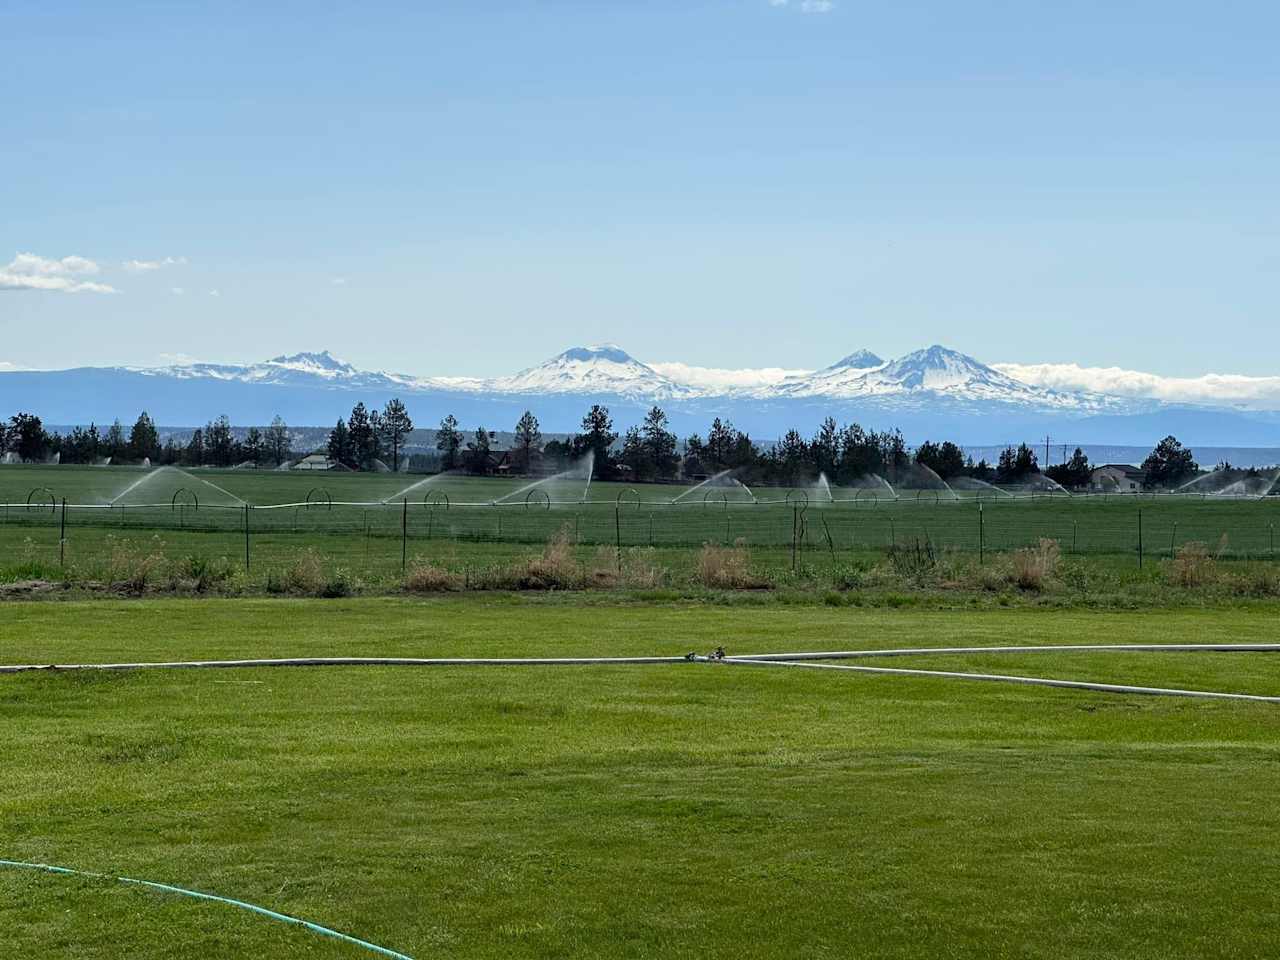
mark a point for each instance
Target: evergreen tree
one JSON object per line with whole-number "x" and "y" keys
{"x": 597, "y": 438}
{"x": 396, "y": 427}
{"x": 477, "y": 456}
{"x": 945, "y": 459}
{"x": 194, "y": 454}
{"x": 339, "y": 447}
{"x": 1016, "y": 466}
{"x": 255, "y": 449}
{"x": 528, "y": 437}
{"x": 361, "y": 429}
{"x": 26, "y": 437}
{"x": 219, "y": 442}
{"x": 825, "y": 448}
{"x": 659, "y": 445}
{"x": 634, "y": 455}
{"x": 1169, "y": 464}
{"x": 1073, "y": 474}
{"x": 449, "y": 442}
{"x": 277, "y": 440}
{"x": 144, "y": 441}
{"x": 114, "y": 445}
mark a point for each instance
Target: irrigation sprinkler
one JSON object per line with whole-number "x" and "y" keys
{"x": 432, "y": 501}
{"x": 35, "y": 500}
{"x": 630, "y": 491}
{"x": 319, "y": 497}
{"x": 181, "y": 499}
{"x": 531, "y": 499}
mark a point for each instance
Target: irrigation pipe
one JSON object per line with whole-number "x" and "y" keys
{"x": 798, "y": 659}
{"x": 1005, "y": 678}
{"x": 197, "y": 895}
{"x": 344, "y": 662}
{"x": 1048, "y": 648}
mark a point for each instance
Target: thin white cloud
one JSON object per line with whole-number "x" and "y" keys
{"x": 215, "y": 293}
{"x": 1261, "y": 393}
{"x": 146, "y": 266}
{"x": 720, "y": 378}
{"x": 339, "y": 281}
{"x": 7, "y": 367}
{"x": 817, "y": 6}
{"x": 27, "y": 271}
{"x": 178, "y": 291}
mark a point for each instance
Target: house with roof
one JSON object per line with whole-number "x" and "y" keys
{"x": 1116, "y": 478}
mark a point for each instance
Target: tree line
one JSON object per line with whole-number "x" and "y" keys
{"x": 649, "y": 451}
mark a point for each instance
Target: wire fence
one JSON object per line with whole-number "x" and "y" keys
{"x": 1144, "y": 528}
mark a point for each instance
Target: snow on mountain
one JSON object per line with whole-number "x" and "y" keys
{"x": 931, "y": 379}
{"x": 933, "y": 375}
{"x": 603, "y": 370}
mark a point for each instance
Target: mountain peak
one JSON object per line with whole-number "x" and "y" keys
{"x": 322, "y": 361}
{"x": 858, "y": 360}
{"x": 599, "y": 351}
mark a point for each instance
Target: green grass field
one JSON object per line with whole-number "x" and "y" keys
{"x": 689, "y": 810}
{"x": 201, "y": 514}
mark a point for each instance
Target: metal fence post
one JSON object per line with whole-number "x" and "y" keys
{"x": 982, "y": 536}
{"x": 1139, "y": 538}
{"x": 404, "y": 535}
{"x": 1173, "y": 539}
{"x": 62, "y": 536}
{"x": 246, "y": 538}
{"x": 617, "y": 533}
{"x": 795, "y": 535}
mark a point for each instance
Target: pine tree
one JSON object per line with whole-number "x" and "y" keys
{"x": 144, "y": 441}
{"x": 396, "y": 427}
{"x": 114, "y": 444}
{"x": 278, "y": 440}
{"x": 597, "y": 438}
{"x": 659, "y": 444}
{"x": 449, "y": 442}
{"x": 478, "y": 453}
{"x": 1169, "y": 464}
{"x": 528, "y": 436}
{"x": 219, "y": 443}
{"x": 339, "y": 447}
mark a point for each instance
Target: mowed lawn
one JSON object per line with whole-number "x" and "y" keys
{"x": 688, "y": 810}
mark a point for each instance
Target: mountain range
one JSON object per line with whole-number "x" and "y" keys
{"x": 935, "y": 392}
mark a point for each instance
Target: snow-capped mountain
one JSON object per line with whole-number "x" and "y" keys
{"x": 934, "y": 375}
{"x": 604, "y": 370}
{"x": 932, "y": 393}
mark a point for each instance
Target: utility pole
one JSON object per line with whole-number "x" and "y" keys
{"x": 1046, "y": 449}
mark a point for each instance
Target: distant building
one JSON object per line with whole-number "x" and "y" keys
{"x": 1116, "y": 478}
{"x": 316, "y": 461}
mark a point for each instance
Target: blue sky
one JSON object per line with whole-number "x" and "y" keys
{"x": 467, "y": 188}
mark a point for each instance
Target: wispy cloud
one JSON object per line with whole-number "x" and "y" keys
{"x": 215, "y": 293}
{"x": 339, "y": 281}
{"x": 720, "y": 378}
{"x": 147, "y": 266}
{"x": 7, "y": 367}
{"x": 178, "y": 291}
{"x": 1232, "y": 389}
{"x": 806, "y": 6}
{"x": 27, "y": 271}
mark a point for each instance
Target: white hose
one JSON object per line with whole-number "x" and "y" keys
{"x": 342, "y": 662}
{"x": 1005, "y": 678}
{"x": 1047, "y": 648}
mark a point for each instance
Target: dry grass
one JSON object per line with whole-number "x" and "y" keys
{"x": 427, "y": 577}
{"x": 1034, "y": 567}
{"x": 727, "y": 568}
{"x": 132, "y": 566}
{"x": 1193, "y": 566}
{"x": 635, "y": 569}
